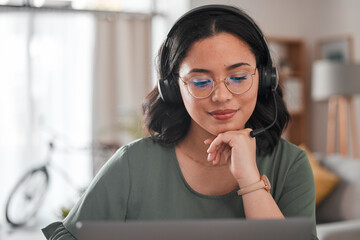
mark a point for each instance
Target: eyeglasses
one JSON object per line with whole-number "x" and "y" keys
{"x": 202, "y": 85}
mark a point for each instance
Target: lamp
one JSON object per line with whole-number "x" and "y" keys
{"x": 338, "y": 83}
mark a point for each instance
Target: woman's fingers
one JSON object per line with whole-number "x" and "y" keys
{"x": 218, "y": 154}
{"x": 209, "y": 141}
{"x": 221, "y": 139}
{"x": 215, "y": 155}
{"x": 227, "y": 141}
{"x": 211, "y": 155}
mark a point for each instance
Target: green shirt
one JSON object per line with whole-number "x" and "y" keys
{"x": 143, "y": 181}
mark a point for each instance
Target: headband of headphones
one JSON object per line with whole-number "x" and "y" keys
{"x": 268, "y": 76}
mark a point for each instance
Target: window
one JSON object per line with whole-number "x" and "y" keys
{"x": 46, "y": 62}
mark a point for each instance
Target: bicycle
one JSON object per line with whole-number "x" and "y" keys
{"x": 26, "y": 197}
{"x": 28, "y": 193}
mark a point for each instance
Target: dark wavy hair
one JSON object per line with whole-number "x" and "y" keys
{"x": 169, "y": 123}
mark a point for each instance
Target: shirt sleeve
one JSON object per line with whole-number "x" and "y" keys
{"x": 105, "y": 199}
{"x": 298, "y": 193}
{"x": 57, "y": 230}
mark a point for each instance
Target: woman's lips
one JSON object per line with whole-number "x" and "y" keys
{"x": 223, "y": 114}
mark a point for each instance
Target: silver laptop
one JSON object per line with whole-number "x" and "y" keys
{"x": 224, "y": 229}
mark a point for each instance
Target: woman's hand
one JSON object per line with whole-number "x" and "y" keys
{"x": 238, "y": 150}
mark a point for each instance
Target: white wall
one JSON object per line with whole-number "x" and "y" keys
{"x": 275, "y": 17}
{"x": 309, "y": 20}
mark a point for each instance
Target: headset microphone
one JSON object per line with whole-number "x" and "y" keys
{"x": 258, "y": 131}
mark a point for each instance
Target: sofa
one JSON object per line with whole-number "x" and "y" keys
{"x": 338, "y": 210}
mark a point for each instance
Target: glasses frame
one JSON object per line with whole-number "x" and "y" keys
{"x": 220, "y": 80}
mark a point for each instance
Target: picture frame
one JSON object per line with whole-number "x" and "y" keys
{"x": 336, "y": 48}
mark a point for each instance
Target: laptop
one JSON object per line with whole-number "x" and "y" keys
{"x": 224, "y": 229}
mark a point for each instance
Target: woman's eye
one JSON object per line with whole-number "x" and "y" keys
{"x": 201, "y": 83}
{"x": 239, "y": 77}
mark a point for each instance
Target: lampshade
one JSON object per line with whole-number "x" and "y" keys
{"x": 333, "y": 78}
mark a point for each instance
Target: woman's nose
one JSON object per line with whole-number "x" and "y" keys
{"x": 221, "y": 93}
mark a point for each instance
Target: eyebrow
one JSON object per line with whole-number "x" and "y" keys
{"x": 236, "y": 65}
{"x": 201, "y": 70}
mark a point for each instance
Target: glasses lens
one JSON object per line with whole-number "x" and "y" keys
{"x": 200, "y": 87}
{"x": 239, "y": 82}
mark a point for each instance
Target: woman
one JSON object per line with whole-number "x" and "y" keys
{"x": 215, "y": 122}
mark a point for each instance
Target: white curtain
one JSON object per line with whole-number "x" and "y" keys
{"x": 123, "y": 76}
{"x": 69, "y": 76}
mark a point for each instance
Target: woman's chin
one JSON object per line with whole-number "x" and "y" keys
{"x": 223, "y": 130}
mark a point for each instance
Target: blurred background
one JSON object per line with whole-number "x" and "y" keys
{"x": 73, "y": 74}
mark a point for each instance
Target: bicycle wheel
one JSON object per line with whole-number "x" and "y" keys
{"x": 26, "y": 197}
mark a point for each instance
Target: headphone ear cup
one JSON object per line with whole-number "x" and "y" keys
{"x": 274, "y": 78}
{"x": 262, "y": 86}
{"x": 169, "y": 92}
{"x": 268, "y": 80}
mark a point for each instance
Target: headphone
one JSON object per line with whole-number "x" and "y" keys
{"x": 168, "y": 87}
